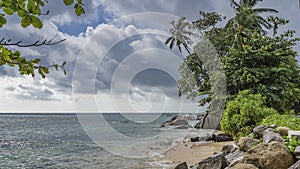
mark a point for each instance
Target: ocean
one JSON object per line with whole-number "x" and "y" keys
{"x": 59, "y": 141}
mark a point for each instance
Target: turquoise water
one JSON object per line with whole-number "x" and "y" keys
{"x": 58, "y": 141}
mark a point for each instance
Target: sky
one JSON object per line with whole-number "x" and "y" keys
{"x": 115, "y": 53}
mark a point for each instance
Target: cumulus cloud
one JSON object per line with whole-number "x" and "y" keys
{"x": 31, "y": 89}
{"x": 111, "y": 56}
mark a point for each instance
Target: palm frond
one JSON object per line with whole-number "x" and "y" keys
{"x": 178, "y": 43}
{"x": 179, "y": 34}
{"x": 168, "y": 40}
{"x": 252, "y": 3}
{"x": 172, "y": 43}
{"x": 264, "y": 22}
{"x": 233, "y": 4}
{"x": 187, "y": 49}
{"x": 264, "y": 10}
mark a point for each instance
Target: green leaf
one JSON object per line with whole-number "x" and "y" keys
{"x": 36, "y": 60}
{"x": 7, "y": 3}
{"x": 14, "y": 7}
{"x": 56, "y": 67}
{"x": 21, "y": 13}
{"x": 6, "y": 57}
{"x": 45, "y": 70}
{"x": 21, "y": 3}
{"x": 2, "y": 21}
{"x": 41, "y": 73}
{"x": 8, "y": 11}
{"x": 36, "y": 22}
{"x": 68, "y": 2}
{"x": 26, "y": 21}
{"x": 30, "y": 5}
{"x": 64, "y": 64}
{"x": 79, "y": 9}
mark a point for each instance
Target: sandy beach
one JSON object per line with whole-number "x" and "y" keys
{"x": 192, "y": 153}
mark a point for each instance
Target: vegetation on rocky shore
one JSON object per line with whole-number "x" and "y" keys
{"x": 262, "y": 77}
{"x": 266, "y": 147}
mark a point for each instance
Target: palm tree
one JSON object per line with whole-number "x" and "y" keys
{"x": 180, "y": 35}
{"x": 248, "y": 20}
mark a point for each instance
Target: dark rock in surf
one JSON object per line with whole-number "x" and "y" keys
{"x": 176, "y": 121}
{"x": 216, "y": 162}
{"x": 219, "y": 138}
{"x": 182, "y": 166}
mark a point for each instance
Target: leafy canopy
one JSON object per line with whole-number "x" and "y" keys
{"x": 29, "y": 12}
{"x": 252, "y": 60}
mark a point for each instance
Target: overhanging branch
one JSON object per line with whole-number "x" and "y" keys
{"x": 5, "y": 42}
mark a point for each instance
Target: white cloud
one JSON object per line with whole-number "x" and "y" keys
{"x": 31, "y": 89}
{"x": 99, "y": 50}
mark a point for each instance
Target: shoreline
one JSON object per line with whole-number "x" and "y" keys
{"x": 193, "y": 152}
{"x": 189, "y": 152}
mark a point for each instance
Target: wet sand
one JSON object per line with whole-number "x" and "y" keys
{"x": 192, "y": 153}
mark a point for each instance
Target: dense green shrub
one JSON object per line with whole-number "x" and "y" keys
{"x": 287, "y": 120}
{"x": 244, "y": 113}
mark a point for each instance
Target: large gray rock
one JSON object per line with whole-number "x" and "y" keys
{"x": 182, "y": 166}
{"x": 200, "y": 124}
{"x": 269, "y": 156}
{"x": 227, "y": 149}
{"x": 209, "y": 121}
{"x": 269, "y": 136}
{"x": 234, "y": 156}
{"x": 176, "y": 121}
{"x": 259, "y": 130}
{"x": 179, "y": 122}
{"x": 295, "y": 166}
{"x": 246, "y": 143}
{"x": 297, "y": 150}
{"x": 215, "y": 162}
{"x": 242, "y": 166}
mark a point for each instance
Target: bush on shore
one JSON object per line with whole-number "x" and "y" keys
{"x": 244, "y": 113}
{"x": 286, "y": 120}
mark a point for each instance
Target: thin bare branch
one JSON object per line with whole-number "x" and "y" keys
{"x": 37, "y": 43}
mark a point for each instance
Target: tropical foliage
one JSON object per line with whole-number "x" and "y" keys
{"x": 179, "y": 35}
{"x": 244, "y": 113}
{"x": 292, "y": 144}
{"x": 28, "y": 11}
{"x": 252, "y": 60}
{"x": 287, "y": 120}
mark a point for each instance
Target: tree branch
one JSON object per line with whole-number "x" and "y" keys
{"x": 46, "y": 42}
